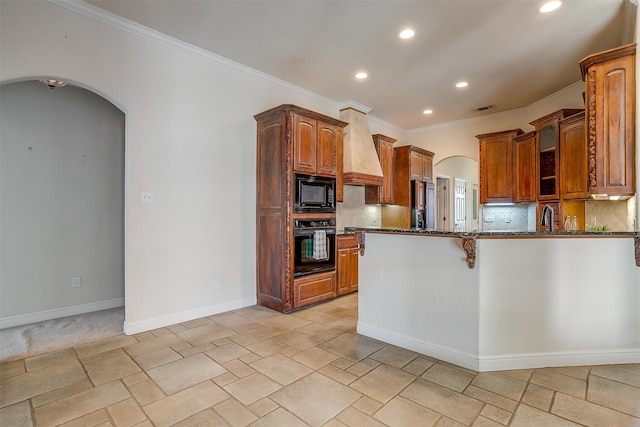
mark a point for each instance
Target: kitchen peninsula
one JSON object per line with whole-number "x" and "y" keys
{"x": 507, "y": 300}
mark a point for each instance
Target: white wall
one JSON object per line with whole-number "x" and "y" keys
{"x": 62, "y": 199}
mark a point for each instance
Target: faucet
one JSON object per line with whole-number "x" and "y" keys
{"x": 544, "y": 222}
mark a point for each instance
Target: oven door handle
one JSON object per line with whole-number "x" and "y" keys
{"x": 311, "y": 231}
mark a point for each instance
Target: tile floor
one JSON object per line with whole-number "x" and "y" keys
{"x": 256, "y": 367}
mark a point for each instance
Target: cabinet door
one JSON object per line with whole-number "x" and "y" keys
{"x": 496, "y": 170}
{"x": 573, "y": 159}
{"x": 326, "y": 149}
{"x": 416, "y": 166}
{"x": 427, "y": 168}
{"x": 430, "y": 206}
{"x": 525, "y": 163}
{"x": 304, "y": 145}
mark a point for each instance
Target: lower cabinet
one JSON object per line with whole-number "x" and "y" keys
{"x": 314, "y": 288}
{"x": 347, "y": 264}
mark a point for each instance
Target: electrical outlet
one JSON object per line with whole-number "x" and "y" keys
{"x": 76, "y": 282}
{"x": 219, "y": 284}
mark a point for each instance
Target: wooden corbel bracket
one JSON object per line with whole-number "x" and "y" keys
{"x": 469, "y": 246}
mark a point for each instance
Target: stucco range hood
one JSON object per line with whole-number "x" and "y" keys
{"x": 361, "y": 163}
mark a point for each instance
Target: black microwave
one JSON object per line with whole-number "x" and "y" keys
{"x": 314, "y": 194}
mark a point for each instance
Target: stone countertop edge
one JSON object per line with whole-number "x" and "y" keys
{"x": 495, "y": 234}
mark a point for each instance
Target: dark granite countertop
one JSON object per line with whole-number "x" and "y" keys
{"x": 494, "y": 234}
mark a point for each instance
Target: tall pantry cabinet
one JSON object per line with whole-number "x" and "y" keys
{"x": 290, "y": 139}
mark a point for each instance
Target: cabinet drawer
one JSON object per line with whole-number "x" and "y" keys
{"x": 346, "y": 242}
{"x": 314, "y": 288}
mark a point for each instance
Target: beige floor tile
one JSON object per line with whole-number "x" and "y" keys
{"x": 456, "y": 406}
{"x": 252, "y": 388}
{"x": 363, "y": 367}
{"x": 280, "y": 368}
{"x": 590, "y": 414}
{"x": 184, "y": 373}
{"x": 98, "y": 418}
{"x": 18, "y": 414}
{"x": 113, "y": 368}
{"x": 614, "y": 395}
{"x": 71, "y": 407}
{"x": 383, "y": 383}
{"x": 179, "y": 406}
{"x": 205, "y": 333}
{"x": 60, "y": 393}
{"x": 24, "y": 386}
{"x": 279, "y": 417}
{"x": 394, "y": 356}
{"x": 419, "y": 365}
{"x": 226, "y": 352}
{"x": 50, "y": 359}
{"x": 101, "y": 346}
{"x": 496, "y": 414}
{"x": 526, "y": 416}
{"x": 400, "y": 412}
{"x": 315, "y": 358}
{"x": 126, "y": 413}
{"x": 498, "y": 383}
{"x": 146, "y": 392}
{"x": 263, "y": 406}
{"x": 367, "y": 405}
{"x": 449, "y": 377}
{"x": 559, "y": 382}
{"x": 338, "y": 374}
{"x": 157, "y": 358}
{"x": 537, "y": 396}
{"x": 206, "y": 418}
{"x": 352, "y": 347}
{"x": 491, "y": 398}
{"x": 623, "y": 374}
{"x": 166, "y": 341}
{"x": 354, "y": 418}
{"x": 235, "y": 413}
{"x": 303, "y": 398}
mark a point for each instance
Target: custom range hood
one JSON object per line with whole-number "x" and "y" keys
{"x": 361, "y": 163}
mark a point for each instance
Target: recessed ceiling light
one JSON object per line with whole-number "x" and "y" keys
{"x": 550, "y": 6}
{"x": 427, "y": 112}
{"x": 361, "y": 75}
{"x": 407, "y": 33}
{"x": 462, "y": 84}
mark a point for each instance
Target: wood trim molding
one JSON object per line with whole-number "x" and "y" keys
{"x": 469, "y": 246}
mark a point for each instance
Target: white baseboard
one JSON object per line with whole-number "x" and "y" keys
{"x": 131, "y": 328}
{"x": 445, "y": 354}
{"x": 503, "y": 362}
{"x": 41, "y": 316}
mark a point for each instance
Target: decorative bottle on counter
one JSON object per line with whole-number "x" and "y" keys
{"x": 567, "y": 224}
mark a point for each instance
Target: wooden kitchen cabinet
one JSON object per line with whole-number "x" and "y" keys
{"x": 496, "y": 166}
{"x": 610, "y": 116}
{"x": 382, "y": 194}
{"x": 410, "y": 163}
{"x": 290, "y": 139}
{"x": 573, "y": 158}
{"x": 525, "y": 167}
{"x": 347, "y": 264}
{"x": 548, "y": 153}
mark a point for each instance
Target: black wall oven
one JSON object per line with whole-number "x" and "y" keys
{"x": 314, "y": 245}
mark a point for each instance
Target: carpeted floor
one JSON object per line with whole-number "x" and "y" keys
{"x": 36, "y": 338}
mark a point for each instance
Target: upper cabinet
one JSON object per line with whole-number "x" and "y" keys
{"x": 548, "y": 153}
{"x": 525, "y": 167}
{"x": 573, "y": 158}
{"x": 496, "y": 166}
{"x": 382, "y": 194}
{"x": 410, "y": 163}
{"x": 610, "y": 96}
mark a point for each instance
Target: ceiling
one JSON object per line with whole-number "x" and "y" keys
{"x": 511, "y": 55}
